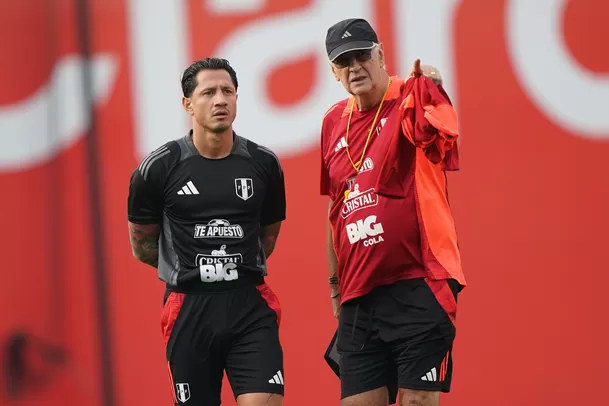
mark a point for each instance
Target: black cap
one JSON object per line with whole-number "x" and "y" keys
{"x": 349, "y": 35}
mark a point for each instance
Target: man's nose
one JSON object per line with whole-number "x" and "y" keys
{"x": 354, "y": 65}
{"x": 220, "y": 99}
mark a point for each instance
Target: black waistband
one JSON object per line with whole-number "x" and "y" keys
{"x": 245, "y": 279}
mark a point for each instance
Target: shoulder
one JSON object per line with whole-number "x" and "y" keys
{"x": 262, "y": 154}
{"x": 335, "y": 112}
{"x": 331, "y": 119}
{"x": 159, "y": 161}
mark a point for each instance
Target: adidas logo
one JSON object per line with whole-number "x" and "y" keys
{"x": 430, "y": 376}
{"x": 277, "y": 378}
{"x": 379, "y": 128}
{"x": 345, "y": 35}
{"x": 341, "y": 144}
{"x": 188, "y": 189}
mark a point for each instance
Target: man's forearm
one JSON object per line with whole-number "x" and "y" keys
{"x": 332, "y": 261}
{"x": 144, "y": 242}
{"x": 268, "y": 236}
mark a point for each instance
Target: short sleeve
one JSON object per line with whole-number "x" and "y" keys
{"x": 274, "y": 207}
{"x": 324, "y": 174}
{"x": 145, "y": 201}
{"x": 324, "y": 177}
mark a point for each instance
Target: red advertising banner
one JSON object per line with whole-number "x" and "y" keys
{"x": 530, "y": 81}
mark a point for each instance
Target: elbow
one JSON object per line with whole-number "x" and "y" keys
{"x": 268, "y": 248}
{"x": 138, "y": 254}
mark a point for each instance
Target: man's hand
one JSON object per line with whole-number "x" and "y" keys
{"x": 336, "y": 306}
{"x": 427, "y": 70}
{"x": 332, "y": 269}
{"x": 335, "y": 297}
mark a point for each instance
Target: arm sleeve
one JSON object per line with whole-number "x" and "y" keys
{"x": 145, "y": 202}
{"x": 430, "y": 122}
{"x": 274, "y": 207}
{"x": 324, "y": 179}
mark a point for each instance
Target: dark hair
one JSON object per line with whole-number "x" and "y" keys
{"x": 189, "y": 77}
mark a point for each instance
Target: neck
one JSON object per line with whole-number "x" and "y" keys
{"x": 212, "y": 145}
{"x": 374, "y": 97}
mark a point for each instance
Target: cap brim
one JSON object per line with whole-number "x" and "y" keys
{"x": 350, "y": 46}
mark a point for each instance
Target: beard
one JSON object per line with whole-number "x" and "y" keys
{"x": 219, "y": 128}
{"x": 214, "y": 127}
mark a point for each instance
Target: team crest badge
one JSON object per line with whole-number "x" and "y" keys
{"x": 244, "y": 187}
{"x": 183, "y": 392}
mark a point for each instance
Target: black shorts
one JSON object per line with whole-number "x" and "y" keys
{"x": 400, "y": 335}
{"x": 236, "y": 331}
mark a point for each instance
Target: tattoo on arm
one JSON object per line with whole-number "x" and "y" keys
{"x": 144, "y": 242}
{"x": 269, "y": 235}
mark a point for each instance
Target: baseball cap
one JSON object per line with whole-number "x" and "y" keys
{"x": 349, "y": 35}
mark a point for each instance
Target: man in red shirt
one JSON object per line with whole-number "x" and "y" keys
{"x": 395, "y": 268}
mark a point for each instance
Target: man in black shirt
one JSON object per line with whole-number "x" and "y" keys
{"x": 206, "y": 210}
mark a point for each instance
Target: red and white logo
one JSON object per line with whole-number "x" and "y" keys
{"x": 357, "y": 200}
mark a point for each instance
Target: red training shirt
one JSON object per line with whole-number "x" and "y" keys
{"x": 377, "y": 239}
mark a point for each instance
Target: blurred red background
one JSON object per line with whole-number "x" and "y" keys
{"x": 530, "y": 200}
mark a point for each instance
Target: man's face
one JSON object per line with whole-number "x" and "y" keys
{"x": 213, "y": 103}
{"x": 360, "y": 71}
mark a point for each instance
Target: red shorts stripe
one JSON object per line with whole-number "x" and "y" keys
{"x": 168, "y": 320}
{"x": 271, "y": 300}
{"x": 172, "y": 385}
{"x": 170, "y": 314}
{"x": 444, "y": 295}
{"x": 444, "y": 367}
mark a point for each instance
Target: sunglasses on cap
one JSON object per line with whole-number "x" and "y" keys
{"x": 344, "y": 60}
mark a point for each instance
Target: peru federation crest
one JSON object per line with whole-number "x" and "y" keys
{"x": 244, "y": 187}
{"x": 183, "y": 392}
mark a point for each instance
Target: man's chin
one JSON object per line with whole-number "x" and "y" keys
{"x": 220, "y": 128}
{"x": 358, "y": 89}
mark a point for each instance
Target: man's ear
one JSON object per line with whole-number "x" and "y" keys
{"x": 382, "y": 56}
{"x": 187, "y": 105}
{"x": 334, "y": 71}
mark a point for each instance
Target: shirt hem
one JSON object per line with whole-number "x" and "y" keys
{"x": 143, "y": 220}
{"x": 383, "y": 282}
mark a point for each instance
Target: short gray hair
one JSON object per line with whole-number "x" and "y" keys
{"x": 376, "y": 48}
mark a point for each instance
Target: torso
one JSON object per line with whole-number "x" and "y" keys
{"x": 211, "y": 222}
{"x": 376, "y": 239}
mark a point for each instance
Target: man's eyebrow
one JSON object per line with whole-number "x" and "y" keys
{"x": 218, "y": 86}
